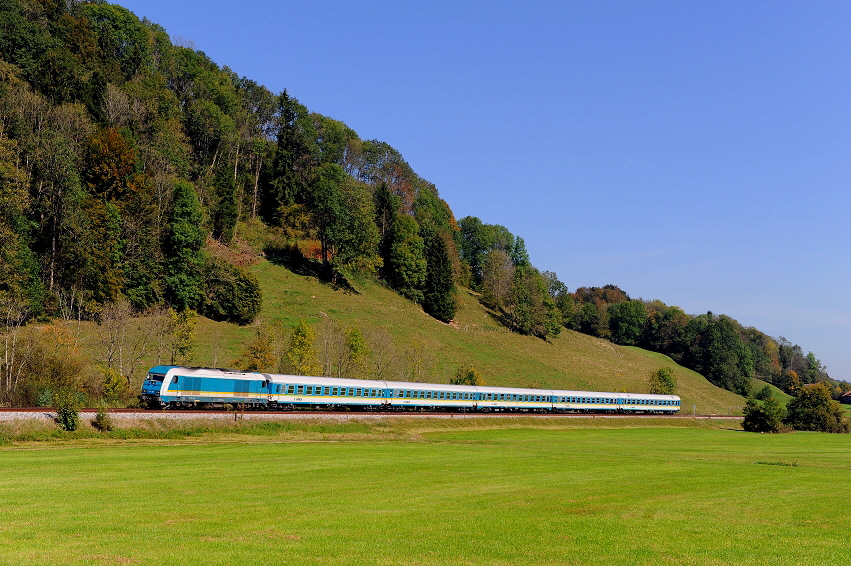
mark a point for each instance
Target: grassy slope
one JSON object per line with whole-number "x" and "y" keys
{"x": 571, "y": 361}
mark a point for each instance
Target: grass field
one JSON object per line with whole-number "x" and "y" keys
{"x": 434, "y": 492}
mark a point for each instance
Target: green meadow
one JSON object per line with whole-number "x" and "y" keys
{"x": 454, "y": 491}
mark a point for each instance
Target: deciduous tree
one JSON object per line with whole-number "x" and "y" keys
{"x": 662, "y": 381}
{"x": 813, "y": 409}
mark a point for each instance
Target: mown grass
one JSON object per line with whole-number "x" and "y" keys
{"x": 452, "y": 492}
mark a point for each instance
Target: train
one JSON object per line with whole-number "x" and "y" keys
{"x": 196, "y": 387}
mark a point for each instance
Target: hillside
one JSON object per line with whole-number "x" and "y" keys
{"x": 571, "y": 361}
{"x": 132, "y": 170}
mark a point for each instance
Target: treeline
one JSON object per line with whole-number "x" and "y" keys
{"x": 716, "y": 346}
{"x": 131, "y": 168}
{"x": 530, "y": 302}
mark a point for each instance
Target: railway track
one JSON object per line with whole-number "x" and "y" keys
{"x": 48, "y": 412}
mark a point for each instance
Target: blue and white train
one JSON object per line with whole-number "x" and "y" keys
{"x": 176, "y": 386}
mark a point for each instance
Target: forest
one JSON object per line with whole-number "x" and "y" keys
{"x": 129, "y": 165}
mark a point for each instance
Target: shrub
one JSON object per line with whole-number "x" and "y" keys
{"x": 763, "y": 394}
{"x": 231, "y": 293}
{"x": 764, "y": 417}
{"x": 102, "y": 420}
{"x": 44, "y": 398}
{"x": 68, "y": 410}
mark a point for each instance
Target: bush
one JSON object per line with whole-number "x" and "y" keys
{"x": 68, "y": 410}
{"x": 764, "y": 417}
{"x": 231, "y": 293}
{"x": 814, "y": 409}
{"x": 102, "y": 420}
{"x": 44, "y": 398}
{"x": 763, "y": 394}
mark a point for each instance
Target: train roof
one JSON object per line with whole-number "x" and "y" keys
{"x": 207, "y": 372}
{"x": 565, "y": 393}
{"x": 330, "y": 381}
{"x": 513, "y": 390}
{"x": 429, "y": 386}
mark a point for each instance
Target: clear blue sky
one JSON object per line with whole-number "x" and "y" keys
{"x": 693, "y": 152}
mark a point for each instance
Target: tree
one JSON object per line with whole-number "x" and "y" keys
{"x": 293, "y": 161}
{"x": 662, "y": 381}
{"x": 467, "y": 375}
{"x": 301, "y": 353}
{"x": 355, "y": 354}
{"x": 182, "y": 336}
{"x": 713, "y": 348}
{"x": 497, "y": 278}
{"x": 225, "y": 212}
{"x": 763, "y": 417}
{"x": 405, "y": 265}
{"x": 343, "y": 217}
{"x": 110, "y": 168}
{"x": 813, "y": 409}
{"x": 626, "y": 322}
{"x": 439, "y": 289}
{"x": 259, "y": 354}
{"x": 182, "y": 248}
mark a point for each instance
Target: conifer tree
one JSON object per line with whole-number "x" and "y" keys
{"x": 183, "y": 249}
{"x": 439, "y": 289}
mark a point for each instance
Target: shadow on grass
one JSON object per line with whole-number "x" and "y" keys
{"x": 291, "y": 258}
